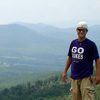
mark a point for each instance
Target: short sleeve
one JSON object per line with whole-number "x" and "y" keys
{"x": 95, "y": 52}
{"x": 69, "y": 52}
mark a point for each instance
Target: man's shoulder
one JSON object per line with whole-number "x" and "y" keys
{"x": 75, "y": 40}
{"x": 90, "y": 41}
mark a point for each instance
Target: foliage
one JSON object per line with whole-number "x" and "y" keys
{"x": 18, "y": 70}
{"x": 50, "y": 89}
{"x": 9, "y": 81}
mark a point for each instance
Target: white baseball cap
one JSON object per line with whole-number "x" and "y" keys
{"x": 83, "y": 25}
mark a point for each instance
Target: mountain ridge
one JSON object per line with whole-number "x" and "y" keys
{"x": 46, "y": 37}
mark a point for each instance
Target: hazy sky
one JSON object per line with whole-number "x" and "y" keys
{"x": 44, "y": 11}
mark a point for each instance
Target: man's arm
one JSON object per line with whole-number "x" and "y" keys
{"x": 68, "y": 63}
{"x": 97, "y": 78}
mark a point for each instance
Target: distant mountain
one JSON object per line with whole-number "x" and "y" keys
{"x": 62, "y": 33}
{"x": 94, "y": 32}
{"x": 17, "y": 34}
{"x": 13, "y": 35}
{"x": 41, "y": 38}
{"x": 52, "y": 31}
{"x": 21, "y": 40}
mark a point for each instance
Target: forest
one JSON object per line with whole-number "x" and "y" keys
{"x": 52, "y": 88}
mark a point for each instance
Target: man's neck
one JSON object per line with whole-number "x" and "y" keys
{"x": 81, "y": 39}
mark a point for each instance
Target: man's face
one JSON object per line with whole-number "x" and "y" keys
{"x": 81, "y": 32}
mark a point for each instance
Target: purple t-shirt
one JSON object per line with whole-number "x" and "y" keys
{"x": 82, "y": 53}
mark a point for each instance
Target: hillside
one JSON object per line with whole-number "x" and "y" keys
{"x": 13, "y": 78}
{"x": 28, "y": 48}
{"x": 52, "y": 31}
{"x": 51, "y": 88}
{"x": 25, "y": 50}
{"x": 66, "y": 35}
{"x": 62, "y": 33}
{"x": 18, "y": 40}
{"x": 39, "y": 39}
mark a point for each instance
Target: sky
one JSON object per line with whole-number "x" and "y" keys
{"x": 57, "y": 12}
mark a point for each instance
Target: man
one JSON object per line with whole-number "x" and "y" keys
{"x": 81, "y": 54}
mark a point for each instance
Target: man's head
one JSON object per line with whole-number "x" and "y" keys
{"x": 82, "y": 29}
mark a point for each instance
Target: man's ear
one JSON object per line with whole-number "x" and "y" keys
{"x": 87, "y": 31}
